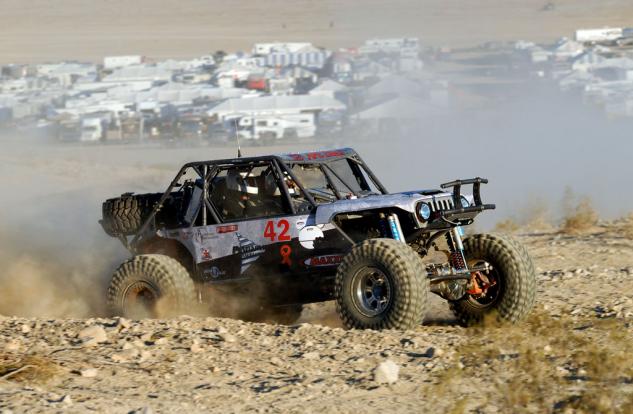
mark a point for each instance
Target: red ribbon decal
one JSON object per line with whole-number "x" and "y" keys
{"x": 285, "y": 252}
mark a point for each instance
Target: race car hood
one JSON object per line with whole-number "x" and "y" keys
{"x": 406, "y": 201}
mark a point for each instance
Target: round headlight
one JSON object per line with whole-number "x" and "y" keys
{"x": 424, "y": 211}
{"x": 465, "y": 202}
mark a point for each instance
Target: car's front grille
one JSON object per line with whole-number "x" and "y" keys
{"x": 444, "y": 203}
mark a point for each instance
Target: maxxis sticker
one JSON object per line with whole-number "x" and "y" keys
{"x": 325, "y": 260}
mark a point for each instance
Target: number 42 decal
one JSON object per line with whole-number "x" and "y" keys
{"x": 282, "y": 225}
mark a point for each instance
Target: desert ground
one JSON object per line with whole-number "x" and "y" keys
{"x": 42, "y": 30}
{"x": 59, "y": 352}
{"x": 571, "y": 356}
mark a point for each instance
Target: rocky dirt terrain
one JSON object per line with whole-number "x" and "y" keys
{"x": 572, "y": 355}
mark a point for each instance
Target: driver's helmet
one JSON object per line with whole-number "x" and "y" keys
{"x": 271, "y": 188}
{"x": 234, "y": 181}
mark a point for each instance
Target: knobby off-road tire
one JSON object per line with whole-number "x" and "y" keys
{"x": 525, "y": 256}
{"x": 513, "y": 297}
{"x": 125, "y": 215}
{"x": 151, "y": 285}
{"x": 391, "y": 270}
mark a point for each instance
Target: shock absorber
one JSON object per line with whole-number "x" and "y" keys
{"x": 456, "y": 248}
{"x": 383, "y": 225}
{"x": 395, "y": 228}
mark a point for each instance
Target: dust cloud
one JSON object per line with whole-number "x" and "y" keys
{"x": 532, "y": 146}
{"x": 55, "y": 260}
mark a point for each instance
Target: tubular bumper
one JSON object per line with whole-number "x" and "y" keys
{"x": 478, "y": 206}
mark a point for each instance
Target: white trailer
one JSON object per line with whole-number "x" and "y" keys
{"x": 267, "y": 48}
{"x": 115, "y": 62}
{"x": 91, "y": 129}
{"x": 402, "y": 45}
{"x": 272, "y": 128}
{"x": 599, "y": 35}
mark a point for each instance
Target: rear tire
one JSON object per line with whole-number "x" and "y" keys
{"x": 381, "y": 284}
{"x": 513, "y": 295}
{"x": 151, "y": 285}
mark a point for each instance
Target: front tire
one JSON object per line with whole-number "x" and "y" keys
{"x": 150, "y": 286}
{"x": 381, "y": 284}
{"x": 512, "y": 280}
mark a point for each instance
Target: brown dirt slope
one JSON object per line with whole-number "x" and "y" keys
{"x": 572, "y": 355}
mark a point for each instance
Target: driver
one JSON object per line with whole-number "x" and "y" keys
{"x": 236, "y": 194}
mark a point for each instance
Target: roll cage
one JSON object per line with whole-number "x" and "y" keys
{"x": 281, "y": 166}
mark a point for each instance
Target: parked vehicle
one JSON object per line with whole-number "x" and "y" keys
{"x": 92, "y": 130}
{"x": 218, "y": 132}
{"x": 68, "y": 130}
{"x": 190, "y": 128}
{"x": 268, "y": 129}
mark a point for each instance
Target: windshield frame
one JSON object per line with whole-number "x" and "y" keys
{"x": 368, "y": 178}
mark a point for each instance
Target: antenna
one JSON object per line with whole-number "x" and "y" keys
{"x": 237, "y": 137}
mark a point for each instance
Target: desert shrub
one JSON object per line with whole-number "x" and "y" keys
{"x": 27, "y": 368}
{"x": 627, "y": 226}
{"x": 580, "y": 218}
{"x": 533, "y": 215}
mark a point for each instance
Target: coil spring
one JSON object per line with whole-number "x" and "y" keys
{"x": 457, "y": 260}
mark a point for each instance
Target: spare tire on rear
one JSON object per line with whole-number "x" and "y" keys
{"x": 126, "y": 214}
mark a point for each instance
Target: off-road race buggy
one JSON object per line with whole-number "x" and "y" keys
{"x": 276, "y": 232}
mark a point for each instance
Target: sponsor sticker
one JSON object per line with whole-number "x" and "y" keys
{"x": 325, "y": 260}
{"x": 248, "y": 251}
{"x": 227, "y": 229}
{"x": 208, "y": 237}
{"x": 311, "y": 156}
{"x": 214, "y": 272}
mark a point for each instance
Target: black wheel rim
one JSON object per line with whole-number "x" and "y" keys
{"x": 372, "y": 291}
